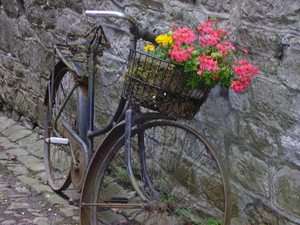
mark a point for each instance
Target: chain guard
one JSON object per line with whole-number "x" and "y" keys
{"x": 79, "y": 156}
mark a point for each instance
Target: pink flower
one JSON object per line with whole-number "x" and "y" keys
{"x": 210, "y": 56}
{"x": 184, "y": 35}
{"x": 240, "y": 84}
{"x": 245, "y": 69}
{"x": 205, "y": 27}
{"x": 180, "y": 55}
{"x": 228, "y": 45}
{"x": 209, "y": 40}
{"x": 244, "y": 50}
{"x": 221, "y": 49}
{"x": 207, "y": 63}
{"x": 224, "y": 47}
{"x": 199, "y": 72}
{"x": 221, "y": 33}
{"x": 236, "y": 87}
{"x": 210, "y": 36}
{"x": 244, "y": 72}
{"x": 242, "y": 62}
{"x": 176, "y": 47}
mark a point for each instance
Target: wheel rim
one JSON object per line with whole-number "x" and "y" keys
{"x": 187, "y": 181}
{"x": 58, "y": 158}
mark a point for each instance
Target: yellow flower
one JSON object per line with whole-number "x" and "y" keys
{"x": 164, "y": 39}
{"x": 149, "y": 47}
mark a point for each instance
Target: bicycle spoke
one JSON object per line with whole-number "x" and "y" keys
{"x": 62, "y": 107}
{"x": 180, "y": 175}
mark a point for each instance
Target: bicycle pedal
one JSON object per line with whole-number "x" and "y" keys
{"x": 56, "y": 140}
{"x": 117, "y": 200}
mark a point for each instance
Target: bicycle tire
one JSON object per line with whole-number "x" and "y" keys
{"x": 190, "y": 182}
{"x": 58, "y": 158}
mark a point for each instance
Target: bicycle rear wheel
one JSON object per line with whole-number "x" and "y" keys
{"x": 178, "y": 171}
{"x": 62, "y": 106}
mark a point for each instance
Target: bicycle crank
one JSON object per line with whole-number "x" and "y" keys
{"x": 79, "y": 155}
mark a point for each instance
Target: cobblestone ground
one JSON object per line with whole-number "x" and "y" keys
{"x": 24, "y": 196}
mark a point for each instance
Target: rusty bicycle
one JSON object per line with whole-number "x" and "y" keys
{"x": 149, "y": 168}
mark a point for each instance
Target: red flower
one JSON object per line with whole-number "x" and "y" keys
{"x": 211, "y": 56}
{"x": 180, "y": 55}
{"x": 207, "y": 63}
{"x": 184, "y": 35}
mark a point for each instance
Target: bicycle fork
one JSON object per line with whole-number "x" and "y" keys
{"x": 128, "y": 128}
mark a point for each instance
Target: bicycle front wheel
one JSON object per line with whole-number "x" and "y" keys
{"x": 62, "y": 105}
{"x": 175, "y": 167}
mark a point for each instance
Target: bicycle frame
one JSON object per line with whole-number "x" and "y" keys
{"x": 91, "y": 82}
{"x": 92, "y": 48}
{"x": 86, "y": 107}
{"x": 127, "y": 123}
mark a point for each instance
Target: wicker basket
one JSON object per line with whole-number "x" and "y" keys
{"x": 158, "y": 85}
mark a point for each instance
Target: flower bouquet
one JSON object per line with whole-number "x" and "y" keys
{"x": 176, "y": 76}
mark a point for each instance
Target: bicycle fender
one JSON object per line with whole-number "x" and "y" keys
{"x": 102, "y": 151}
{"x": 59, "y": 69}
{"x": 112, "y": 137}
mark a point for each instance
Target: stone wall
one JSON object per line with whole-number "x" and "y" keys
{"x": 257, "y": 131}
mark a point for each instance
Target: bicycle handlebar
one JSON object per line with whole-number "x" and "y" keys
{"x": 134, "y": 29}
{"x": 97, "y": 13}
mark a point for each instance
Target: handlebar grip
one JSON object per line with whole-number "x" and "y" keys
{"x": 146, "y": 35}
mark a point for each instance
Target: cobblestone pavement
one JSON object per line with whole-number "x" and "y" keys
{"x": 24, "y": 196}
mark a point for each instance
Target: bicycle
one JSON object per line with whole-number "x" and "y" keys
{"x": 149, "y": 169}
